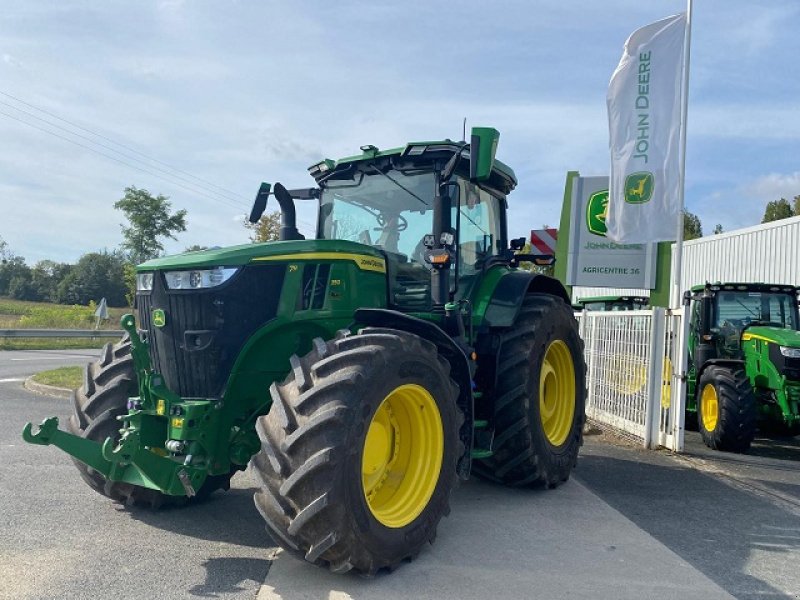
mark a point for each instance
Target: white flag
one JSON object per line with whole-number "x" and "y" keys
{"x": 644, "y": 122}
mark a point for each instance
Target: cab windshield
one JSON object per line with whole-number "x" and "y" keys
{"x": 736, "y": 309}
{"x": 392, "y": 212}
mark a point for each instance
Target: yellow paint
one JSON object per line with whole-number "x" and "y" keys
{"x": 402, "y": 455}
{"x": 161, "y": 408}
{"x": 177, "y": 422}
{"x": 753, "y": 336}
{"x": 364, "y": 262}
{"x": 709, "y": 407}
{"x": 557, "y": 393}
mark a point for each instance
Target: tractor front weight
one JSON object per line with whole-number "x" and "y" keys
{"x": 166, "y": 443}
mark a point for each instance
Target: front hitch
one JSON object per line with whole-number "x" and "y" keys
{"x": 139, "y": 457}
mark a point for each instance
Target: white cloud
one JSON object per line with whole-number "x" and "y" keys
{"x": 774, "y": 186}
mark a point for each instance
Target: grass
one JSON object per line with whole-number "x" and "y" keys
{"x": 53, "y": 343}
{"x": 64, "y": 377}
{"x": 22, "y": 314}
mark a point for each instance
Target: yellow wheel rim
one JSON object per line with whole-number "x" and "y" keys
{"x": 709, "y": 407}
{"x": 402, "y": 455}
{"x": 557, "y": 393}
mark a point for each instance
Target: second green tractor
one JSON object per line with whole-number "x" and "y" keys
{"x": 360, "y": 374}
{"x": 744, "y": 362}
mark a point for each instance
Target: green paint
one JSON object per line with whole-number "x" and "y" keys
{"x": 562, "y": 243}
{"x": 659, "y": 296}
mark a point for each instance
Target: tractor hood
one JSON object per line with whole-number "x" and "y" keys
{"x": 235, "y": 256}
{"x": 776, "y": 335}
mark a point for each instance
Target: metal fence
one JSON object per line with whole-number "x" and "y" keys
{"x": 634, "y": 363}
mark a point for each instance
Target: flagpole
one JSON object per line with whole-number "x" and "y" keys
{"x": 678, "y": 258}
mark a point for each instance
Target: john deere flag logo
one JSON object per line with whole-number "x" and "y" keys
{"x": 596, "y": 213}
{"x": 639, "y": 187}
{"x": 159, "y": 318}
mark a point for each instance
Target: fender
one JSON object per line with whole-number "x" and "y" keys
{"x": 459, "y": 365}
{"x": 716, "y": 362}
{"x": 512, "y": 289}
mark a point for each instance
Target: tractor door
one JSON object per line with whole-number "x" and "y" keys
{"x": 480, "y": 233}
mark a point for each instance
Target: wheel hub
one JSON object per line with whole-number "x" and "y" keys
{"x": 557, "y": 393}
{"x": 709, "y": 407}
{"x": 402, "y": 455}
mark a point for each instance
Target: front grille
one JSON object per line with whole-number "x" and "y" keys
{"x": 204, "y": 330}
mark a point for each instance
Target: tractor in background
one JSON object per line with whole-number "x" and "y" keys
{"x": 744, "y": 362}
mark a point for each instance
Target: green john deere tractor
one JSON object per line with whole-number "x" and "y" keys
{"x": 360, "y": 374}
{"x": 744, "y": 362}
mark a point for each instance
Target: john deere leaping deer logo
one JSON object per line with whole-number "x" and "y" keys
{"x": 159, "y": 318}
{"x": 596, "y": 213}
{"x": 639, "y": 187}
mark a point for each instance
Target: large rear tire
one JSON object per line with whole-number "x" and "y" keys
{"x": 108, "y": 382}
{"x": 726, "y": 409}
{"x": 359, "y": 451}
{"x": 540, "y": 395}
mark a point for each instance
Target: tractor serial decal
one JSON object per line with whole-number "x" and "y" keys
{"x": 159, "y": 318}
{"x": 363, "y": 261}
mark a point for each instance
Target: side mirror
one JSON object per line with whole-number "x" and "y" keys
{"x": 517, "y": 243}
{"x": 483, "y": 147}
{"x": 260, "y": 203}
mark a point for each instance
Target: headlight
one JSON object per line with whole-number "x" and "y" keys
{"x": 144, "y": 282}
{"x": 790, "y": 352}
{"x": 198, "y": 279}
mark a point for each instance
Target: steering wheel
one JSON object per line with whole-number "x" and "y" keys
{"x": 402, "y": 222}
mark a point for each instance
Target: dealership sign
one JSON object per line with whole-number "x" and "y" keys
{"x": 593, "y": 260}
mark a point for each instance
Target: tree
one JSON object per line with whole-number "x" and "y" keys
{"x": 96, "y": 275}
{"x": 46, "y": 276}
{"x": 267, "y": 229}
{"x": 717, "y": 229}
{"x": 777, "y": 210}
{"x": 195, "y": 248}
{"x": 797, "y": 206}
{"x": 5, "y": 253}
{"x": 12, "y": 268}
{"x": 150, "y": 219}
{"x": 692, "y": 228}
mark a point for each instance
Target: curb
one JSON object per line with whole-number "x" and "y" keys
{"x": 46, "y": 390}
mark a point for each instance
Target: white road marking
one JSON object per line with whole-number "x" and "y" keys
{"x": 12, "y": 380}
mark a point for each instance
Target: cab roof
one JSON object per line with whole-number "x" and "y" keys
{"x": 502, "y": 178}
{"x": 747, "y": 287}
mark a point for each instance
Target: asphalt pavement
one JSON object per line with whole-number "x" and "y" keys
{"x": 630, "y": 524}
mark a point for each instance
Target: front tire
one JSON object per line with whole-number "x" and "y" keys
{"x": 359, "y": 451}
{"x": 726, "y": 409}
{"x": 540, "y": 396}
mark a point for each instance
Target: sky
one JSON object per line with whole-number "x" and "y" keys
{"x": 201, "y": 101}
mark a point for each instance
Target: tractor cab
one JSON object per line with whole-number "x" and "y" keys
{"x": 725, "y": 315}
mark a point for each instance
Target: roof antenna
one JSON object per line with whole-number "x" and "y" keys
{"x": 464, "y": 131}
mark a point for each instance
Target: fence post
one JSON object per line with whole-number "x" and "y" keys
{"x": 655, "y": 369}
{"x": 678, "y": 400}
